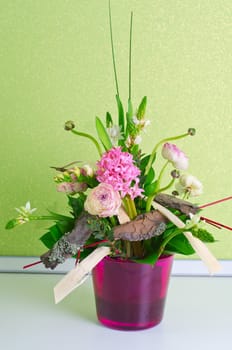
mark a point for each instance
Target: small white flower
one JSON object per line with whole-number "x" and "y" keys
{"x": 135, "y": 120}
{"x": 195, "y": 221}
{"x": 27, "y": 210}
{"x": 190, "y": 185}
{"x": 137, "y": 140}
{"x": 129, "y": 141}
{"x": 115, "y": 134}
{"x": 147, "y": 123}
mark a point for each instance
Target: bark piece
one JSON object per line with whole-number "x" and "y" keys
{"x": 170, "y": 201}
{"x": 68, "y": 244}
{"x": 143, "y": 227}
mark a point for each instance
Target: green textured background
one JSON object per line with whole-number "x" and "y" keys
{"x": 55, "y": 65}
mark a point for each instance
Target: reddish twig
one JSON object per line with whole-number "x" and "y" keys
{"x": 33, "y": 264}
{"x": 215, "y": 202}
{"x": 215, "y": 223}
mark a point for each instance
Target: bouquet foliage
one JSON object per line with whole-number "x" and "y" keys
{"x": 123, "y": 202}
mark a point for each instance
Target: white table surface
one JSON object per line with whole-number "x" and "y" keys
{"x": 198, "y": 316}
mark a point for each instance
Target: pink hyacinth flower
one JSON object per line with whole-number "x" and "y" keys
{"x": 178, "y": 158}
{"x": 117, "y": 169}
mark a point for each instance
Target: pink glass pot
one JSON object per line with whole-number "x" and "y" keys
{"x": 129, "y": 295}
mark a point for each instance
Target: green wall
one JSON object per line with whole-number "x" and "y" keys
{"x": 55, "y": 65}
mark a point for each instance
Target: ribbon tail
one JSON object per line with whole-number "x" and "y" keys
{"x": 79, "y": 274}
{"x": 204, "y": 253}
{"x": 200, "y": 248}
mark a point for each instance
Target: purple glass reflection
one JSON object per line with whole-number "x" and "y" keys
{"x": 129, "y": 295}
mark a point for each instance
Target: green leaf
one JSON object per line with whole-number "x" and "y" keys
{"x": 130, "y": 127}
{"x": 77, "y": 204}
{"x": 150, "y": 189}
{"x": 203, "y": 235}
{"x": 150, "y": 259}
{"x": 142, "y": 108}
{"x": 56, "y": 232}
{"x": 144, "y": 162}
{"x": 51, "y": 237}
{"x": 109, "y": 120}
{"x": 103, "y": 135}
{"x": 179, "y": 244}
{"x": 47, "y": 240}
{"x": 130, "y": 109}
{"x": 60, "y": 217}
{"x": 149, "y": 177}
{"x": 121, "y": 120}
{"x": 89, "y": 180}
{"x": 134, "y": 151}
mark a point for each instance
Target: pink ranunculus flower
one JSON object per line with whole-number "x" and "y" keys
{"x": 117, "y": 169}
{"x": 103, "y": 201}
{"x": 178, "y": 158}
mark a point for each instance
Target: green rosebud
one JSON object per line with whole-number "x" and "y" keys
{"x": 69, "y": 125}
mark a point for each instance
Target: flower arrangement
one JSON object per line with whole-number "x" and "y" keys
{"x": 123, "y": 202}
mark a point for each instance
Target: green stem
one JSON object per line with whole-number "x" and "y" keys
{"x": 127, "y": 208}
{"x": 83, "y": 134}
{"x": 131, "y": 23}
{"x": 149, "y": 202}
{"x": 131, "y": 207}
{"x": 113, "y": 220}
{"x": 166, "y": 187}
{"x": 112, "y": 49}
{"x": 157, "y": 146}
{"x": 41, "y": 217}
{"x": 161, "y": 175}
{"x": 158, "y": 189}
{"x": 167, "y": 239}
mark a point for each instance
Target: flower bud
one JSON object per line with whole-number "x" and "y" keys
{"x": 174, "y": 155}
{"x": 87, "y": 170}
{"x": 175, "y": 193}
{"x": 69, "y": 125}
{"x": 76, "y": 171}
{"x": 191, "y": 131}
{"x": 59, "y": 178}
{"x": 175, "y": 174}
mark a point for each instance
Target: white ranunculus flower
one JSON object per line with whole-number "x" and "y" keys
{"x": 189, "y": 184}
